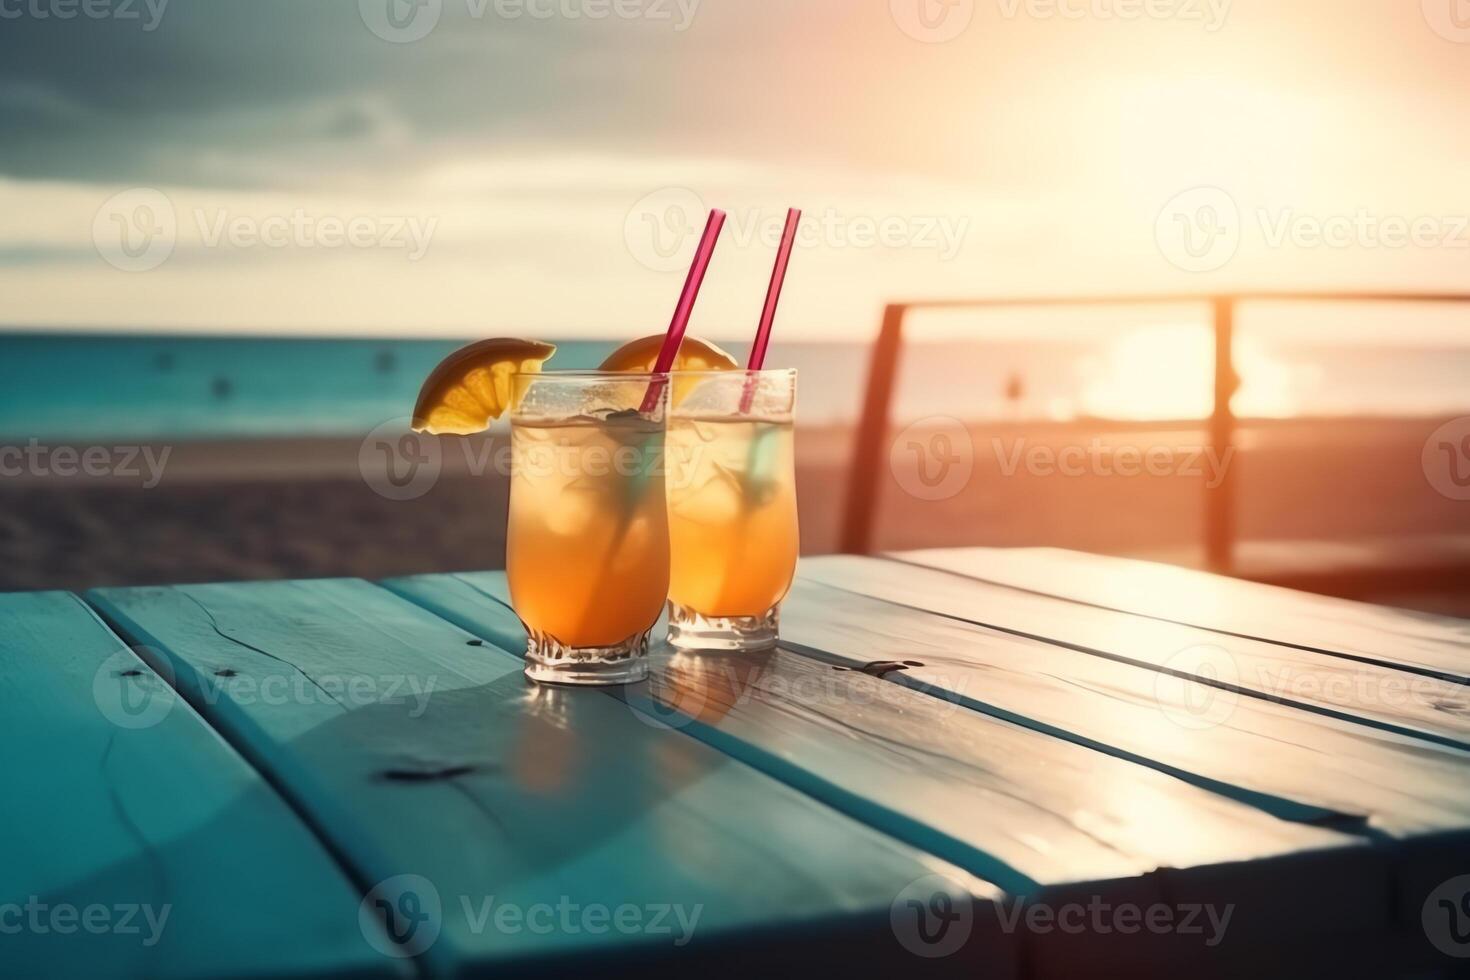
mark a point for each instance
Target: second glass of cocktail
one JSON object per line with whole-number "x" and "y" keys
{"x": 732, "y": 507}
{"x": 587, "y": 542}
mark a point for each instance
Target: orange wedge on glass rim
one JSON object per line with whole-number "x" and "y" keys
{"x": 471, "y": 387}
{"x": 639, "y": 356}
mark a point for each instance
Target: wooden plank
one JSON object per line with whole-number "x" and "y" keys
{"x": 135, "y": 841}
{"x": 1040, "y": 816}
{"x": 418, "y": 750}
{"x": 1411, "y": 795}
{"x": 1369, "y": 693}
{"x": 868, "y": 610}
{"x": 1423, "y": 642}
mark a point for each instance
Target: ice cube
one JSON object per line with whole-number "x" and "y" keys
{"x": 715, "y": 501}
{"x": 573, "y": 509}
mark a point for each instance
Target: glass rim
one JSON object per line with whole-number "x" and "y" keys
{"x": 736, "y": 373}
{"x": 596, "y": 375}
{"x": 588, "y": 375}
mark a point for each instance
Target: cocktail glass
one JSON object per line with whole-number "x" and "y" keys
{"x": 587, "y": 545}
{"x": 732, "y": 507}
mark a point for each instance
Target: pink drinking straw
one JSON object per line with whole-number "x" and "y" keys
{"x": 768, "y": 313}
{"x": 682, "y": 311}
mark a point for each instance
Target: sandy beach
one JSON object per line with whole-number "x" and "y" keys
{"x": 245, "y": 509}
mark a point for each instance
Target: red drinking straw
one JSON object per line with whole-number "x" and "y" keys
{"x": 682, "y": 311}
{"x": 768, "y": 313}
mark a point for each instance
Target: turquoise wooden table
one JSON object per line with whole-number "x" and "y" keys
{"x": 970, "y": 763}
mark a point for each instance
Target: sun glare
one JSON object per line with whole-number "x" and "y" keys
{"x": 1164, "y": 372}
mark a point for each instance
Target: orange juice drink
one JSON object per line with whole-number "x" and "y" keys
{"x": 732, "y": 507}
{"x": 587, "y": 544}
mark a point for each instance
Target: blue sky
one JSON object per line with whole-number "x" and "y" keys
{"x": 535, "y": 166}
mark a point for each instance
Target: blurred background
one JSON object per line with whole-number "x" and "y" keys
{"x": 236, "y": 235}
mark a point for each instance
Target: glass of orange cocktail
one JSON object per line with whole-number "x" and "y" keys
{"x": 587, "y": 543}
{"x": 732, "y": 507}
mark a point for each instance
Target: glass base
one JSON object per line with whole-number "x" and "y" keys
{"x": 549, "y": 661}
{"x": 689, "y": 630}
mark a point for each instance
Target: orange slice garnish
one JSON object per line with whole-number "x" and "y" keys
{"x": 640, "y": 356}
{"x": 472, "y": 386}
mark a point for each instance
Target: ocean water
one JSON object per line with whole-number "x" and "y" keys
{"x": 56, "y": 386}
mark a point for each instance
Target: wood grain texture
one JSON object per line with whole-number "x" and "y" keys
{"x": 1041, "y": 816}
{"x": 1410, "y": 795}
{"x": 1385, "y": 697}
{"x": 861, "y": 609}
{"x": 418, "y": 750}
{"x": 123, "y": 801}
{"x": 1423, "y": 642}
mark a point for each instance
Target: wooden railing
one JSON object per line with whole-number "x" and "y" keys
{"x": 865, "y": 483}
